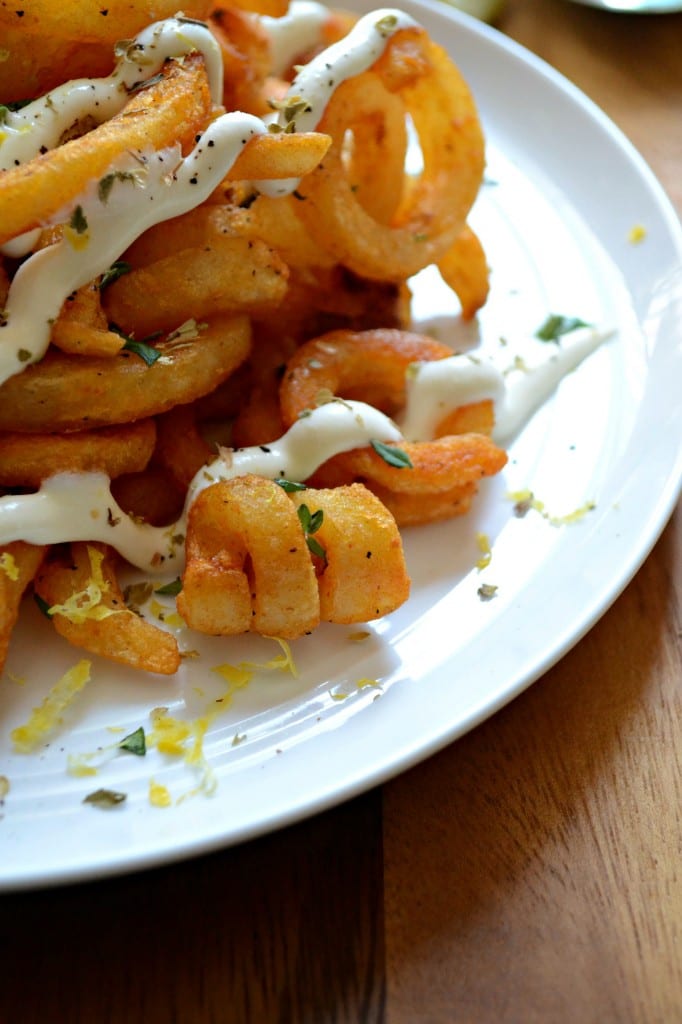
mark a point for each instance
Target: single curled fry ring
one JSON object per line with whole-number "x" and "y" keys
{"x": 371, "y": 366}
{"x": 28, "y": 459}
{"x": 437, "y": 204}
{"x": 365, "y": 365}
{"x": 64, "y": 393}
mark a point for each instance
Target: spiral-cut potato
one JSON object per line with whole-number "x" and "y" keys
{"x": 248, "y": 567}
{"x": 436, "y": 204}
{"x": 28, "y": 459}
{"x": 64, "y": 393}
{"x": 251, "y": 565}
{"x": 441, "y": 475}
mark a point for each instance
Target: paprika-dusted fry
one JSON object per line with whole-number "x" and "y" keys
{"x": 27, "y": 459}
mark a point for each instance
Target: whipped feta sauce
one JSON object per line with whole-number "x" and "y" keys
{"x": 80, "y": 506}
{"x": 40, "y": 125}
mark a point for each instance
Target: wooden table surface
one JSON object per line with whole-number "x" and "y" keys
{"x": 531, "y": 872}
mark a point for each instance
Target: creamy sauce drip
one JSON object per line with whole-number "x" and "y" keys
{"x": 435, "y": 389}
{"x": 40, "y": 125}
{"x": 316, "y": 82}
{"x": 80, "y": 506}
{"x": 146, "y": 189}
{"x": 295, "y": 32}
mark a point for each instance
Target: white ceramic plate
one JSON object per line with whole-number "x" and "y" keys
{"x": 564, "y": 190}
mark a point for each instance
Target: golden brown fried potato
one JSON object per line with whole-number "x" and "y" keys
{"x": 364, "y": 574}
{"x": 51, "y": 43}
{"x": 28, "y": 459}
{"x": 81, "y": 327}
{"x": 64, "y": 393}
{"x": 229, "y": 275}
{"x": 464, "y": 267}
{"x": 19, "y": 563}
{"x": 169, "y": 111}
{"x": 435, "y": 209}
{"x": 87, "y": 608}
{"x": 248, "y": 567}
{"x": 245, "y": 49}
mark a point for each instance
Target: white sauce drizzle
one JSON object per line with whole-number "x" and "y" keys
{"x": 435, "y": 389}
{"x": 316, "y": 82}
{"x": 39, "y": 125}
{"x": 80, "y": 506}
{"x": 147, "y": 189}
{"x": 295, "y": 32}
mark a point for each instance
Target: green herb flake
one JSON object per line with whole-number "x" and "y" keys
{"x": 78, "y": 221}
{"x": 116, "y": 270}
{"x": 311, "y": 522}
{"x": 290, "y": 486}
{"x": 135, "y": 743}
{"x": 487, "y": 591}
{"x": 23, "y": 355}
{"x": 105, "y": 799}
{"x": 140, "y": 348}
{"x": 386, "y": 25}
{"x": 42, "y": 605}
{"x": 170, "y": 589}
{"x": 556, "y": 325}
{"x": 392, "y": 456}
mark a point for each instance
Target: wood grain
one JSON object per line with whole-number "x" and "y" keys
{"x": 533, "y": 870}
{"x": 284, "y": 929}
{"x": 540, "y": 877}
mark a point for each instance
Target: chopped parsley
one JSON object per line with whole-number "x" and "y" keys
{"x": 311, "y": 522}
{"x": 116, "y": 270}
{"x": 556, "y": 325}
{"x": 135, "y": 743}
{"x": 105, "y": 798}
{"x": 290, "y": 485}
{"x": 146, "y": 352}
{"x": 170, "y": 589}
{"x": 392, "y": 456}
{"x": 78, "y": 221}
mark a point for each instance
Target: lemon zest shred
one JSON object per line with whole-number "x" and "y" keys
{"x": 159, "y": 795}
{"x": 637, "y": 234}
{"x": 9, "y": 566}
{"x": 48, "y": 715}
{"x": 77, "y": 764}
{"x": 87, "y": 604}
{"x": 483, "y": 545}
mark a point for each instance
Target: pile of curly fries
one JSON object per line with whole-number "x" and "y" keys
{"x": 207, "y": 227}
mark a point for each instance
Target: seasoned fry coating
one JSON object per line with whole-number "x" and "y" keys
{"x": 248, "y": 567}
{"x": 363, "y": 575}
{"x": 64, "y": 393}
{"x": 229, "y": 275}
{"x": 450, "y": 136}
{"x": 368, "y": 365}
{"x": 27, "y": 459}
{"x": 19, "y": 563}
{"x": 168, "y": 112}
{"x": 87, "y": 607}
